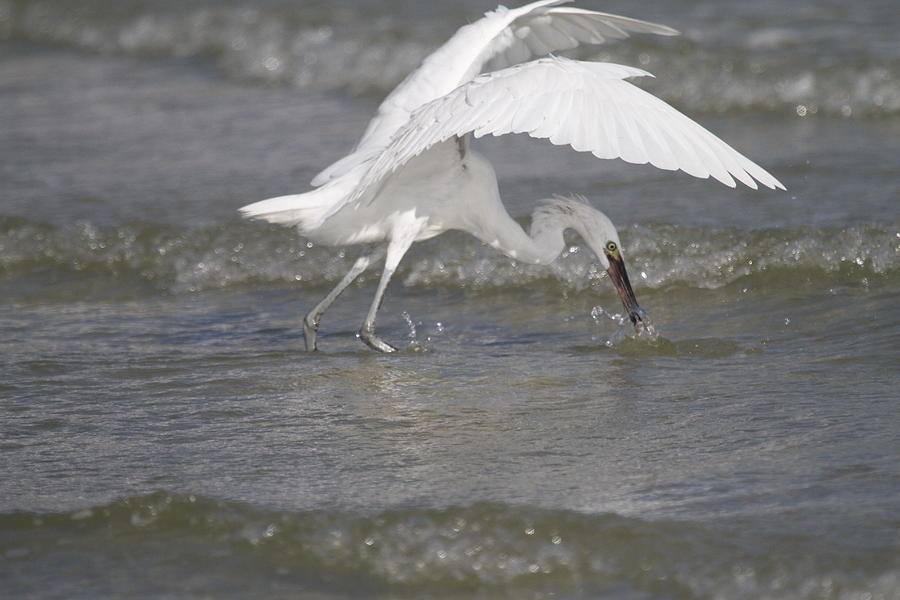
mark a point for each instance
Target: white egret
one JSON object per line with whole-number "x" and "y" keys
{"x": 413, "y": 176}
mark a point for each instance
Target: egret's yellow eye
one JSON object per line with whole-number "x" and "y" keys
{"x": 611, "y": 247}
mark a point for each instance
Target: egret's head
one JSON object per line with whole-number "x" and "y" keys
{"x": 615, "y": 267}
{"x": 602, "y": 237}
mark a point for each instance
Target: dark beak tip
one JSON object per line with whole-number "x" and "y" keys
{"x": 619, "y": 277}
{"x": 637, "y": 318}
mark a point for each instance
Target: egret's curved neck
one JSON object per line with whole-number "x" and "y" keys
{"x": 486, "y": 218}
{"x": 544, "y": 243}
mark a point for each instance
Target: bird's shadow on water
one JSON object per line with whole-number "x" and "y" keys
{"x": 648, "y": 341}
{"x": 631, "y": 348}
{"x": 345, "y": 343}
{"x": 692, "y": 347}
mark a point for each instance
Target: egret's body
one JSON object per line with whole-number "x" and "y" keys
{"x": 413, "y": 175}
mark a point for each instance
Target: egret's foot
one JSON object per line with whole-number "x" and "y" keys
{"x": 374, "y": 342}
{"x": 310, "y": 330}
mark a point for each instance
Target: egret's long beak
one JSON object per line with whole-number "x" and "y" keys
{"x": 619, "y": 277}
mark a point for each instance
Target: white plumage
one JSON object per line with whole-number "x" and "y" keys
{"x": 413, "y": 176}
{"x": 502, "y": 38}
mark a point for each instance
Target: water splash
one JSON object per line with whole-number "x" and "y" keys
{"x": 644, "y": 329}
{"x": 414, "y": 344}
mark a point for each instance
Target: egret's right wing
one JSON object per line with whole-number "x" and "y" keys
{"x": 503, "y": 37}
{"x": 585, "y": 105}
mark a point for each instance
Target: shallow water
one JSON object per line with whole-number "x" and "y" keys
{"x": 165, "y": 434}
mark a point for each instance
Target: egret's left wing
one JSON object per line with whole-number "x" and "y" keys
{"x": 503, "y": 37}
{"x": 585, "y": 105}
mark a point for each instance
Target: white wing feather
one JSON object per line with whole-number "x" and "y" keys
{"x": 503, "y": 37}
{"x": 586, "y": 105}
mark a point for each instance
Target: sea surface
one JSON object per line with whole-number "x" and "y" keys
{"x": 163, "y": 433}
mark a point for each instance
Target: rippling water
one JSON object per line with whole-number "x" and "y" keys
{"x": 163, "y": 432}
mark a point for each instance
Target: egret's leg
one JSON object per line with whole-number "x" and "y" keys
{"x": 395, "y": 252}
{"x": 313, "y": 317}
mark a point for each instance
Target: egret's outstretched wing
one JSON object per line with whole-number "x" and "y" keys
{"x": 586, "y": 105}
{"x": 503, "y": 37}
{"x": 540, "y": 31}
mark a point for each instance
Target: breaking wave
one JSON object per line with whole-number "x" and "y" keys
{"x": 40, "y": 261}
{"x": 485, "y": 547}
{"x": 360, "y": 49}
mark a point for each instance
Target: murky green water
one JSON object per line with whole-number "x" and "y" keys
{"x": 163, "y": 433}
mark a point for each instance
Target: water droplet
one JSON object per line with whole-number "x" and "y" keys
{"x": 83, "y": 514}
{"x": 410, "y": 324}
{"x": 271, "y": 63}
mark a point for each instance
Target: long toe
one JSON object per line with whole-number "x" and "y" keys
{"x": 376, "y": 343}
